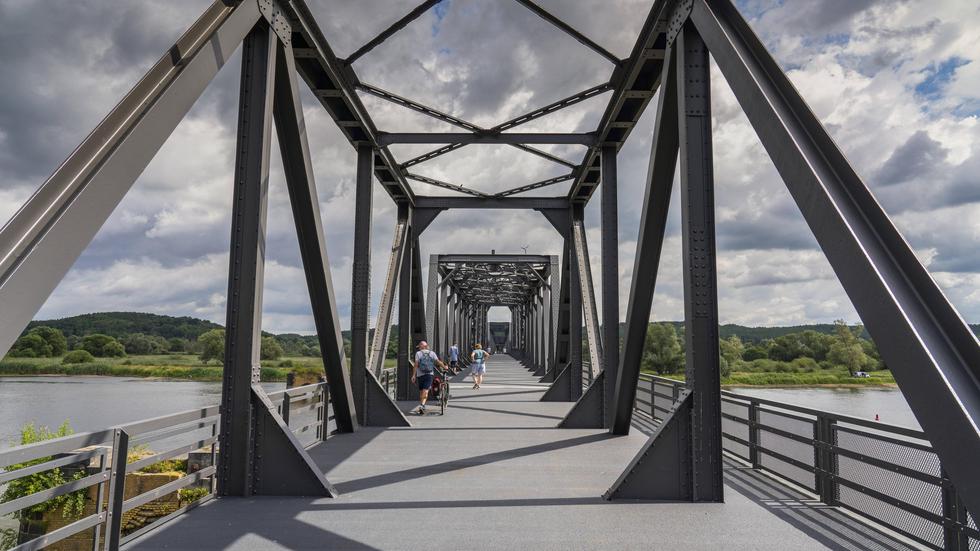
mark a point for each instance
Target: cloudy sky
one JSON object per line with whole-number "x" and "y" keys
{"x": 897, "y": 83}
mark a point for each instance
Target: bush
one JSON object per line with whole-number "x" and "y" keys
{"x": 103, "y": 346}
{"x": 30, "y": 345}
{"x": 71, "y": 504}
{"x": 212, "y": 344}
{"x": 78, "y": 357}
{"x": 270, "y": 349}
{"x": 286, "y": 363}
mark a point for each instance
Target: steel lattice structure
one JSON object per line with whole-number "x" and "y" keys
{"x": 934, "y": 356}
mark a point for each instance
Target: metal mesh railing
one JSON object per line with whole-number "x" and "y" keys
{"x": 885, "y": 473}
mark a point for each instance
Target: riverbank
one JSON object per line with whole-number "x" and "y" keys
{"x": 184, "y": 367}
{"x": 835, "y": 379}
{"x": 187, "y": 367}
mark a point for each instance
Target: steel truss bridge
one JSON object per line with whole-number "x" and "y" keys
{"x": 677, "y": 447}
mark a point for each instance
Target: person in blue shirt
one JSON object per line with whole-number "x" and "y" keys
{"x": 479, "y": 358}
{"x": 454, "y": 358}
{"x": 423, "y": 371}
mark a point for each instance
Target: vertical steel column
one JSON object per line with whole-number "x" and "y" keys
{"x": 442, "y": 315}
{"x": 575, "y": 320}
{"x": 432, "y": 305}
{"x": 700, "y": 292}
{"x": 554, "y": 304}
{"x": 610, "y": 282}
{"x": 247, "y": 261}
{"x": 361, "y": 280}
{"x": 404, "y": 369}
{"x": 418, "y": 297}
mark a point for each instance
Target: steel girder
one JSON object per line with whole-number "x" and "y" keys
{"x": 333, "y": 83}
{"x": 243, "y": 323}
{"x": 653, "y": 224}
{"x": 930, "y": 349}
{"x": 636, "y": 81}
{"x": 373, "y": 405}
{"x": 255, "y": 441}
{"x": 610, "y": 280}
{"x": 382, "y": 326}
{"x": 703, "y": 373}
{"x": 43, "y": 239}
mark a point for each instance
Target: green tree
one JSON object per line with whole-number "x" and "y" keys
{"x": 74, "y": 341}
{"x": 662, "y": 349}
{"x": 212, "y": 345}
{"x": 176, "y": 345}
{"x": 30, "y": 345}
{"x": 787, "y": 348}
{"x": 270, "y": 349}
{"x": 54, "y": 337}
{"x": 142, "y": 344}
{"x": 846, "y": 350}
{"x": 103, "y": 346}
{"x": 817, "y": 343}
{"x": 731, "y": 350}
{"x": 756, "y": 352}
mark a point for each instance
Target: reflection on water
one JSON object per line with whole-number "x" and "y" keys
{"x": 94, "y": 403}
{"x": 887, "y": 403}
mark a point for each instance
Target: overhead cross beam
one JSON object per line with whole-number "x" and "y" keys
{"x": 568, "y": 138}
{"x": 569, "y": 30}
{"x": 522, "y": 119}
{"x": 445, "y": 185}
{"x": 394, "y": 28}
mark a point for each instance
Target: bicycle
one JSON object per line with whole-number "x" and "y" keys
{"x": 442, "y": 392}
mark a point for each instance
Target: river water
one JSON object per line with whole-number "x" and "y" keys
{"x": 887, "y": 403}
{"x": 95, "y": 403}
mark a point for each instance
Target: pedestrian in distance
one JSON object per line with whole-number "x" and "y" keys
{"x": 454, "y": 358}
{"x": 479, "y": 358}
{"x": 423, "y": 371}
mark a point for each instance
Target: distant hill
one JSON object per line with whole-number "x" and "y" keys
{"x": 757, "y": 334}
{"x": 118, "y": 324}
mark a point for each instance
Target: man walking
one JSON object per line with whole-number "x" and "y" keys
{"x": 454, "y": 358}
{"x": 423, "y": 371}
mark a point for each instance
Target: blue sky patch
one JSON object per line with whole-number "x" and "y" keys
{"x": 440, "y": 10}
{"x": 937, "y": 76}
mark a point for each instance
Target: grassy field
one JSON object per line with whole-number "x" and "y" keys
{"x": 818, "y": 378}
{"x": 189, "y": 367}
{"x": 168, "y": 366}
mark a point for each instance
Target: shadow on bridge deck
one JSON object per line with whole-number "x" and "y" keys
{"x": 493, "y": 474}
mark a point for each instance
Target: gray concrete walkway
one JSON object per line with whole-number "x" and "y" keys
{"x": 493, "y": 473}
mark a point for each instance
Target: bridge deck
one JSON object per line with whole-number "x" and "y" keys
{"x": 493, "y": 473}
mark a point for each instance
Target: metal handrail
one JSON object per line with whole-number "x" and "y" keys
{"x": 193, "y": 429}
{"x": 806, "y": 447}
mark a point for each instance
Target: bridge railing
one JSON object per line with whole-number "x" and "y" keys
{"x": 885, "y": 473}
{"x": 82, "y": 478}
{"x": 307, "y": 411}
{"x": 37, "y": 481}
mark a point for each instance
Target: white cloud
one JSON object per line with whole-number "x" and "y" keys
{"x": 164, "y": 249}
